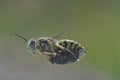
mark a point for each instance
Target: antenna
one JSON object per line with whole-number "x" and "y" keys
{"x": 21, "y": 37}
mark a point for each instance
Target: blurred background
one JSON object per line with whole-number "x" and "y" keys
{"x": 93, "y": 23}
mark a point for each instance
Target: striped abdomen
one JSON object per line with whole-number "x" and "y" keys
{"x": 70, "y": 51}
{"x": 70, "y": 44}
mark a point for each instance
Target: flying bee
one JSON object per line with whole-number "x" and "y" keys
{"x": 57, "y": 51}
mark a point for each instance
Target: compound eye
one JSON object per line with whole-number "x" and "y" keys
{"x": 32, "y": 43}
{"x": 31, "y": 47}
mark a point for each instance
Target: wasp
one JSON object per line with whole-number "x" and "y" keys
{"x": 57, "y": 51}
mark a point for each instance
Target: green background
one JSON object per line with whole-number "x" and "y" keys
{"x": 93, "y": 23}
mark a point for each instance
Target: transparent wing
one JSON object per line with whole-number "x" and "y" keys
{"x": 60, "y": 35}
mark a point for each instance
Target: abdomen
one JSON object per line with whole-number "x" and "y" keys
{"x": 70, "y": 51}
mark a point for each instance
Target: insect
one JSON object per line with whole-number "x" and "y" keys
{"x": 57, "y": 51}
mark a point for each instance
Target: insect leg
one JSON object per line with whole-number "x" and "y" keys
{"x": 61, "y": 47}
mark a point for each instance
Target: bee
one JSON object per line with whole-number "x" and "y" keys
{"x": 63, "y": 51}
